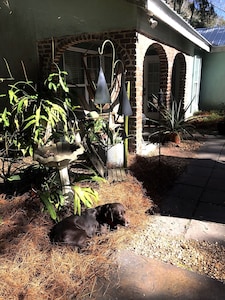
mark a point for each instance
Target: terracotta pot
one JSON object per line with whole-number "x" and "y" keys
{"x": 175, "y": 137}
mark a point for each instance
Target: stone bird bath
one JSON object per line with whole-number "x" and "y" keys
{"x": 59, "y": 156}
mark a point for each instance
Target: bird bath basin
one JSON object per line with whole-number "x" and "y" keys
{"x": 59, "y": 156}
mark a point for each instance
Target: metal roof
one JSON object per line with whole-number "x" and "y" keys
{"x": 216, "y": 36}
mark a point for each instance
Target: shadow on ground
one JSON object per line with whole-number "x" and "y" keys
{"x": 190, "y": 188}
{"x": 199, "y": 193}
{"x": 139, "y": 278}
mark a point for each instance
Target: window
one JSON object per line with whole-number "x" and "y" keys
{"x": 82, "y": 66}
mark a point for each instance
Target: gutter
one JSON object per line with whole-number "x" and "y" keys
{"x": 217, "y": 49}
{"x": 163, "y": 12}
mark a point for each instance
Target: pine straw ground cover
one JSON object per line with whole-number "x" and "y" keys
{"x": 32, "y": 268}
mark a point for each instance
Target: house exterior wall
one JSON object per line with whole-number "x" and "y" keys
{"x": 59, "y": 18}
{"x": 95, "y": 20}
{"x": 18, "y": 41}
{"x": 125, "y": 46}
{"x": 212, "y": 93}
{"x": 31, "y": 20}
{"x": 142, "y": 45}
{"x": 132, "y": 48}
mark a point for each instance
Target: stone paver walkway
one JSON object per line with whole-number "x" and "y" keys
{"x": 194, "y": 208}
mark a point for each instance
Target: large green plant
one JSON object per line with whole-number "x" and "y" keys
{"x": 101, "y": 131}
{"x": 32, "y": 118}
{"x": 174, "y": 117}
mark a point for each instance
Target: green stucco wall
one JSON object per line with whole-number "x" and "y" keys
{"x": 59, "y": 18}
{"x": 17, "y": 40}
{"x": 212, "y": 94}
{"x": 32, "y": 20}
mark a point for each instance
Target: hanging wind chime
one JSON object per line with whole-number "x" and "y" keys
{"x": 102, "y": 94}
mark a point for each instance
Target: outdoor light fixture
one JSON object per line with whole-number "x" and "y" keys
{"x": 153, "y": 23}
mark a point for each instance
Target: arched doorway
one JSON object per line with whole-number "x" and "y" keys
{"x": 154, "y": 79}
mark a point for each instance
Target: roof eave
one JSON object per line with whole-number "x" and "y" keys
{"x": 218, "y": 49}
{"x": 163, "y": 12}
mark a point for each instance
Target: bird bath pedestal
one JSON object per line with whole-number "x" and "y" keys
{"x": 59, "y": 156}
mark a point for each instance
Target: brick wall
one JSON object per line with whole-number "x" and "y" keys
{"x": 166, "y": 56}
{"x": 124, "y": 42}
{"x": 131, "y": 48}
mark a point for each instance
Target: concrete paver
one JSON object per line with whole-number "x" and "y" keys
{"x": 210, "y": 212}
{"x": 140, "y": 278}
{"x": 206, "y": 231}
{"x": 201, "y": 189}
{"x": 195, "y": 209}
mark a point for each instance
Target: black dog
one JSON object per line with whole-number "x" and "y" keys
{"x": 75, "y": 230}
{"x": 112, "y": 214}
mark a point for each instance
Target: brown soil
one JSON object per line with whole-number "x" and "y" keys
{"x": 32, "y": 268}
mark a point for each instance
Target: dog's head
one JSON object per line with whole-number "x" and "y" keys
{"x": 117, "y": 212}
{"x": 112, "y": 214}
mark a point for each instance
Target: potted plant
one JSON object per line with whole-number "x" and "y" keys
{"x": 115, "y": 147}
{"x": 106, "y": 136}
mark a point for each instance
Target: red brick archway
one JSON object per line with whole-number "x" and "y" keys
{"x": 163, "y": 62}
{"x": 178, "y": 78}
{"x": 155, "y": 76}
{"x": 124, "y": 43}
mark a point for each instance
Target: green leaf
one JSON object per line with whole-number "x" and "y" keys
{"x": 77, "y": 204}
{"x": 20, "y": 105}
{"x": 45, "y": 198}
{"x": 61, "y": 199}
{"x": 37, "y": 116}
{"x": 31, "y": 151}
{"x": 4, "y": 117}
{"x": 63, "y": 85}
{"x": 16, "y": 122}
{"x": 52, "y": 86}
{"x": 30, "y": 123}
{"x": 14, "y": 178}
{"x": 85, "y": 195}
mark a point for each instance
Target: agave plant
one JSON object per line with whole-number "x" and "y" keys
{"x": 172, "y": 121}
